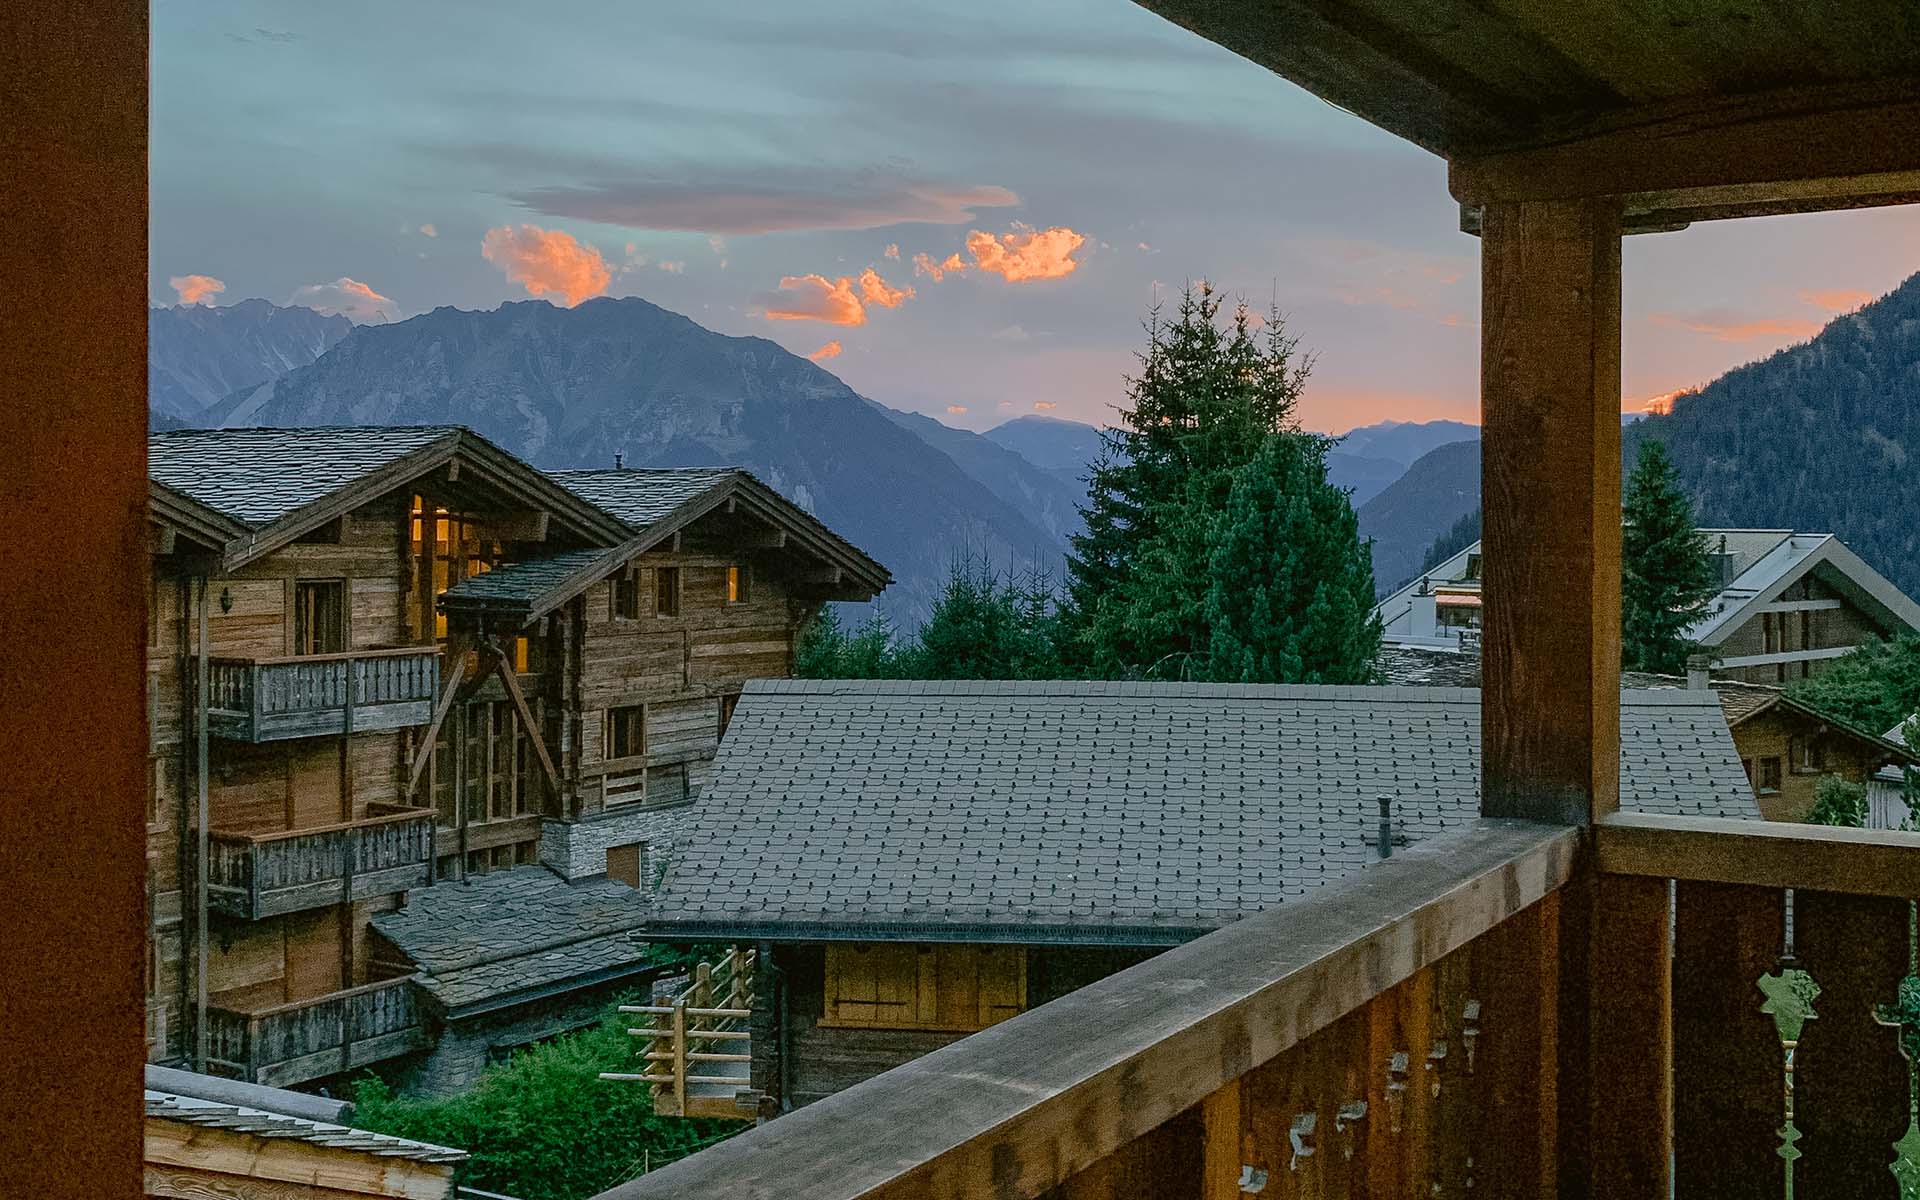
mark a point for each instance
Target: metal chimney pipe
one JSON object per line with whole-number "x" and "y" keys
{"x": 619, "y": 461}
{"x": 1386, "y": 826}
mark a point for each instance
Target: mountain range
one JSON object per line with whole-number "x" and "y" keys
{"x": 198, "y": 355}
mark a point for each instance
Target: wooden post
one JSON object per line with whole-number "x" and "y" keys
{"x": 1220, "y": 1144}
{"x": 679, "y": 1059}
{"x": 202, "y": 816}
{"x": 1629, "y": 1052}
{"x": 1550, "y": 407}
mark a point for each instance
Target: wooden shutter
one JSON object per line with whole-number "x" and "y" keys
{"x": 1003, "y": 983}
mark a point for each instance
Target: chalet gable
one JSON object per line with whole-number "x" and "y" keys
{"x": 277, "y": 485}
{"x": 725, "y": 509}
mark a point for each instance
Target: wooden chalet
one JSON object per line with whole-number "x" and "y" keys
{"x": 1566, "y": 999}
{"x": 346, "y": 705}
{"x": 1616, "y": 996}
{"x": 1789, "y": 603}
{"x": 918, "y": 861}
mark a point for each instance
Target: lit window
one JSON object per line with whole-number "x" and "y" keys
{"x": 739, "y": 581}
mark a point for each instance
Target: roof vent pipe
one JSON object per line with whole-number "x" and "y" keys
{"x": 619, "y": 461}
{"x": 1385, "y": 846}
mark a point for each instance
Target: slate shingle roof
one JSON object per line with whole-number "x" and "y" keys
{"x": 1422, "y": 666}
{"x": 257, "y": 476}
{"x": 641, "y": 496}
{"x": 1099, "y": 812}
{"x": 512, "y": 933}
{"x": 521, "y": 582}
{"x": 260, "y": 1122}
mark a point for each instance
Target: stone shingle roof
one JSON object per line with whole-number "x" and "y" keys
{"x": 523, "y": 581}
{"x": 512, "y": 934}
{"x": 257, "y": 476}
{"x": 1099, "y": 812}
{"x": 641, "y": 496}
{"x": 169, "y": 1105}
{"x": 1422, "y": 666}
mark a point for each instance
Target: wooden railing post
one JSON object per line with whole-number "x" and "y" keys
{"x": 680, "y": 1058}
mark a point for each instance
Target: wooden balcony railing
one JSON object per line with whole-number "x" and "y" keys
{"x": 255, "y": 875}
{"x": 313, "y": 695}
{"x": 696, "y": 1050}
{"x": 310, "y": 1039}
{"x": 1512, "y": 1010}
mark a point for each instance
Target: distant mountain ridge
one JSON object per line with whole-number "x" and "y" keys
{"x": 574, "y": 387}
{"x": 198, "y": 355}
{"x": 1440, "y": 487}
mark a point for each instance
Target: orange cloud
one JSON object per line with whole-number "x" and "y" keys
{"x": 813, "y": 298}
{"x": 1839, "y": 301}
{"x": 547, "y": 262}
{"x": 348, "y": 298}
{"x": 1737, "y": 327}
{"x": 830, "y": 350}
{"x": 1655, "y": 405}
{"x": 956, "y": 409}
{"x": 1026, "y": 253}
{"x": 192, "y": 289}
{"x": 428, "y": 229}
{"x": 892, "y": 251}
{"x": 876, "y": 290}
{"x": 923, "y": 264}
{"x": 1044, "y": 406}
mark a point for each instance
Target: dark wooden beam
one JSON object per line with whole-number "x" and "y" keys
{"x": 1772, "y": 854}
{"x": 73, "y": 499}
{"x": 1798, "y": 150}
{"x": 504, "y": 669}
{"x": 1550, "y": 407}
{"x": 449, "y": 694}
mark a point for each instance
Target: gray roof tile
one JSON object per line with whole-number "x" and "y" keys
{"x": 641, "y": 496}
{"x": 1090, "y": 812}
{"x": 257, "y": 476}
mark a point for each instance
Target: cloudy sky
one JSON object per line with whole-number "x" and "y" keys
{"x": 960, "y": 209}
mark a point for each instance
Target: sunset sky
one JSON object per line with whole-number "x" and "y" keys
{"x": 964, "y": 210}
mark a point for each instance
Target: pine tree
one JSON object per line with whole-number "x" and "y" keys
{"x": 1666, "y": 575}
{"x": 1206, "y": 400}
{"x": 985, "y": 626}
{"x": 1290, "y": 594}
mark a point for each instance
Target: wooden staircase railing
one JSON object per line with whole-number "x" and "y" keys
{"x": 692, "y": 1042}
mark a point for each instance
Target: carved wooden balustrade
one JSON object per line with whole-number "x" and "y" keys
{"x": 314, "y": 695}
{"x": 308, "y": 1039}
{"x": 1430, "y": 1027}
{"x": 255, "y": 875}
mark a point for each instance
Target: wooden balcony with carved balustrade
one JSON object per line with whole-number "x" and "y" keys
{"x": 258, "y": 875}
{"x": 316, "y": 695}
{"x": 1644, "y": 1007}
{"x": 282, "y": 1044}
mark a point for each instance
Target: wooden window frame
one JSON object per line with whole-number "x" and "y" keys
{"x": 343, "y": 625}
{"x": 729, "y": 701}
{"x": 739, "y": 583}
{"x": 626, "y": 595}
{"x": 666, "y": 591}
{"x": 612, "y": 751}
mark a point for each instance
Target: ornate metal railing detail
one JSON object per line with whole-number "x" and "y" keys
{"x": 1790, "y": 995}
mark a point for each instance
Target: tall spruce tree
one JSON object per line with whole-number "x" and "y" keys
{"x": 987, "y": 626}
{"x": 1666, "y": 575}
{"x": 1290, "y": 585}
{"x": 1212, "y": 398}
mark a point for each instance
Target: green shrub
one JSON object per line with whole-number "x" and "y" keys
{"x": 1837, "y": 801}
{"x": 545, "y": 1127}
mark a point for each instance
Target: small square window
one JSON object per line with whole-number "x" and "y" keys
{"x": 627, "y": 731}
{"x": 666, "y": 591}
{"x": 320, "y": 616}
{"x": 739, "y": 585}
{"x": 626, "y": 596}
{"x": 728, "y": 703}
{"x": 1770, "y": 774}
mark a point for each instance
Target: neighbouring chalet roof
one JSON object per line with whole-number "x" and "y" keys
{"x": 1119, "y": 813}
{"x": 1741, "y": 701}
{"x": 656, "y": 503}
{"x": 1759, "y": 565}
{"x": 1763, "y": 573}
{"x": 641, "y": 496}
{"x": 1424, "y": 666}
{"x": 169, "y": 508}
{"x": 260, "y": 1111}
{"x": 281, "y": 483}
{"x": 512, "y": 936}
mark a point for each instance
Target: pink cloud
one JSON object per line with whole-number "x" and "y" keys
{"x": 348, "y": 298}
{"x": 830, "y": 350}
{"x": 923, "y": 264}
{"x": 814, "y": 298}
{"x": 428, "y": 229}
{"x": 192, "y": 289}
{"x": 1840, "y": 300}
{"x": 956, "y": 409}
{"x": 547, "y": 262}
{"x": 1044, "y": 406}
{"x": 876, "y": 290}
{"x": 892, "y": 251}
{"x": 769, "y": 203}
{"x": 1026, "y": 253}
{"x": 1725, "y": 326}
